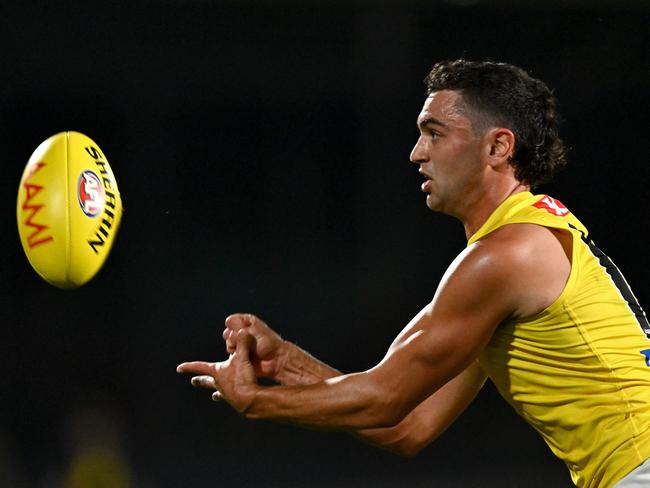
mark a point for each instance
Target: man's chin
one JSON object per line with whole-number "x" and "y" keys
{"x": 433, "y": 203}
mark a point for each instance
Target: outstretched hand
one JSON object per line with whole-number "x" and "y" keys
{"x": 267, "y": 349}
{"x": 234, "y": 379}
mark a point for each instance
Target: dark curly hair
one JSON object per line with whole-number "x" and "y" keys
{"x": 502, "y": 95}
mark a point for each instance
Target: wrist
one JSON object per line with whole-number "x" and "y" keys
{"x": 247, "y": 409}
{"x": 298, "y": 367}
{"x": 283, "y": 358}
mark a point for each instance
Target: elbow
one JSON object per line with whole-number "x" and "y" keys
{"x": 409, "y": 439}
{"x": 402, "y": 448}
{"x": 385, "y": 408}
{"x": 406, "y": 435}
{"x": 405, "y": 439}
{"x": 409, "y": 449}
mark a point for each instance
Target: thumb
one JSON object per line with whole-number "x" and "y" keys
{"x": 244, "y": 344}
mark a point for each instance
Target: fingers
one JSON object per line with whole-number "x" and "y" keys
{"x": 238, "y": 321}
{"x": 230, "y": 336}
{"x": 196, "y": 367}
{"x": 204, "y": 381}
{"x": 235, "y": 323}
{"x": 208, "y": 383}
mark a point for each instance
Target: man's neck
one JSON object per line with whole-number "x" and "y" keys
{"x": 488, "y": 204}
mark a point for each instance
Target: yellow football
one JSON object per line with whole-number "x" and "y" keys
{"x": 68, "y": 209}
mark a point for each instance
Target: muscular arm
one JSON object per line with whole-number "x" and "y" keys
{"x": 421, "y": 426}
{"x": 495, "y": 278}
{"x": 437, "y": 345}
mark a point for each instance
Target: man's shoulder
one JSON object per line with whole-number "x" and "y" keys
{"x": 523, "y": 259}
{"x": 513, "y": 254}
{"x": 511, "y": 241}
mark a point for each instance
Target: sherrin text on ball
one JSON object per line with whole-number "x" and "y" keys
{"x": 68, "y": 209}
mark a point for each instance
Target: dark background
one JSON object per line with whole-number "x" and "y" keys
{"x": 261, "y": 150}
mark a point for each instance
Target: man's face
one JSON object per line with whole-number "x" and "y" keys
{"x": 448, "y": 153}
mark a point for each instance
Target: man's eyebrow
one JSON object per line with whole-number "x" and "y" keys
{"x": 431, "y": 120}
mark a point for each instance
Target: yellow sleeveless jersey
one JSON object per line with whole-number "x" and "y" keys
{"x": 579, "y": 371}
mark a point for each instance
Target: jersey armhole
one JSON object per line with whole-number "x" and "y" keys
{"x": 575, "y": 239}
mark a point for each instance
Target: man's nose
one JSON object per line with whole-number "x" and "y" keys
{"x": 418, "y": 154}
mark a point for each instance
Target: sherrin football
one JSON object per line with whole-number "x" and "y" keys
{"x": 68, "y": 209}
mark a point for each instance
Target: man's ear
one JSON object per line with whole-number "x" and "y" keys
{"x": 500, "y": 145}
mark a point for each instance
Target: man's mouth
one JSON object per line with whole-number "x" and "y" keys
{"x": 426, "y": 186}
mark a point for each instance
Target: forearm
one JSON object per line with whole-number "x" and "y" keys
{"x": 298, "y": 367}
{"x": 301, "y": 368}
{"x": 346, "y": 402}
{"x": 422, "y": 425}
